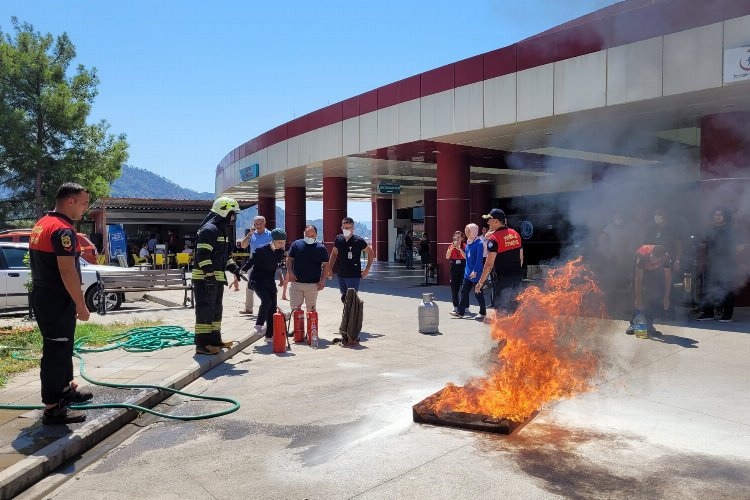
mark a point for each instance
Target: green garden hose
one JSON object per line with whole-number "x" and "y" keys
{"x": 143, "y": 339}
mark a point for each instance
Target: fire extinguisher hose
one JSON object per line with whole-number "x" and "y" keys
{"x": 143, "y": 339}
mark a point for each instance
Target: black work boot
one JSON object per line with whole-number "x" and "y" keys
{"x": 75, "y": 396}
{"x": 58, "y": 415}
{"x": 207, "y": 349}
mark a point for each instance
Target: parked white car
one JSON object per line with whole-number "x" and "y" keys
{"x": 14, "y": 275}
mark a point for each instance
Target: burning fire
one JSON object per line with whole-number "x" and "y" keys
{"x": 538, "y": 359}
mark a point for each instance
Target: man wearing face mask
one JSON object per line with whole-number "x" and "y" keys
{"x": 212, "y": 260}
{"x": 348, "y": 247}
{"x": 305, "y": 265}
{"x": 264, "y": 263}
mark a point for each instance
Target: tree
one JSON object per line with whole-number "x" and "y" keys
{"x": 44, "y": 137}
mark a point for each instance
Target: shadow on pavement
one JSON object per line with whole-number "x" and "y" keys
{"x": 677, "y": 340}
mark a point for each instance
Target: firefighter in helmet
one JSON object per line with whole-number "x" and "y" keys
{"x": 212, "y": 261}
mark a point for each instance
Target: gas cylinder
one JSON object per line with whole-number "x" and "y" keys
{"x": 428, "y": 314}
{"x": 279, "y": 331}
{"x": 312, "y": 324}
{"x": 299, "y": 325}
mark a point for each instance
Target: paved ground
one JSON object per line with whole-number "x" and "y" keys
{"x": 670, "y": 418}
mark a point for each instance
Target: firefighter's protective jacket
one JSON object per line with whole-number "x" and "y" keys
{"x": 213, "y": 250}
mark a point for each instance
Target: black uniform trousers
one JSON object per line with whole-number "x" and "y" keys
{"x": 457, "y": 279}
{"x": 208, "y": 310}
{"x": 265, "y": 286}
{"x": 55, "y": 314}
{"x": 506, "y": 290}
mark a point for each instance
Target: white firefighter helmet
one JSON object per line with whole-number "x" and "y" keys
{"x": 225, "y": 205}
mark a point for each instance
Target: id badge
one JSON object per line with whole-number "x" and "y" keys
{"x": 349, "y": 256}
{"x": 458, "y": 261}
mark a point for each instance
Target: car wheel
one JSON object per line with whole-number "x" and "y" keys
{"x": 113, "y": 300}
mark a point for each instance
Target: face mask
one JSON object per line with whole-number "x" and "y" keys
{"x": 347, "y": 232}
{"x": 309, "y": 241}
{"x": 658, "y": 219}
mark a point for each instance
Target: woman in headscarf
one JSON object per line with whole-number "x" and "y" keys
{"x": 473, "y": 270}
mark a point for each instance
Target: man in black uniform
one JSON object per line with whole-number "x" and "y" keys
{"x": 212, "y": 257}
{"x": 505, "y": 256}
{"x": 57, "y": 301}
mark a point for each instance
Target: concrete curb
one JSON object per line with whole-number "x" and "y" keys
{"x": 31, "y": 469}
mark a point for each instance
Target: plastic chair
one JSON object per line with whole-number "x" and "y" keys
{"x": 139, "y": 260}
{"x": 184, "y": 259}
{"x": 159, "y": 260}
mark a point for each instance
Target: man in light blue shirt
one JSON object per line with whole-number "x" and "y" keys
{"x": 255, "y": 239}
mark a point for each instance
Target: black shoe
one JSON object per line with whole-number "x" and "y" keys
{"x": 207, "y": 349}
{"x": 705, "y": 317}
{"x": 630, "y": 330}
{"x": 75, "y": 396}
{"x": 57, "y": 416}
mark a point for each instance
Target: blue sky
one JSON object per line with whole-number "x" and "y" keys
{"x": 189, "y": 80}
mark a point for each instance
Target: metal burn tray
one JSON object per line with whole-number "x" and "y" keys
{"x": 423, "y": 413}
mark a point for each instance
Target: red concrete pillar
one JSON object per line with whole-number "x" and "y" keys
{"x": 374, "y": 238}
{"x": 334, "y": 208}
{"x": 453, "y": 189}
{"x": 267, "y": 208}
{"x": 430, "y": 219}
{"x": 295, "y": 214}
{"x": 725, "y": 181}
{"x": 384, "y": 211}
{"x": 481, "y": 197}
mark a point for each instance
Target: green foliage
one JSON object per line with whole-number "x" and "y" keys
{"x": 44, "y": 137}
{"x": 28, "y": 342}
{"x": 27, "y": 262}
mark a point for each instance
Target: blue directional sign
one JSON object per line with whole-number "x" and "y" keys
{"x": 389, "y": 188}
{"x": 250, "y": 172}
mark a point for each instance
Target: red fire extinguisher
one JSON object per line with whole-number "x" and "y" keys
{"x": 279, "y": 331}
{"x": 312, "y": 324}
{"x": 299, "y": 325}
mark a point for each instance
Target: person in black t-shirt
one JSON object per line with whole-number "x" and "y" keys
{"x": 264, "y": 263}
{"x": 409, "y": 249}
{"x": 347, "y": 248}
{"x": 424, "y": 250}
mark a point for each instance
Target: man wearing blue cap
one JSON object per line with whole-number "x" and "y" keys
{"x": 505, "y": 258}
{"x": 264, "y": 263}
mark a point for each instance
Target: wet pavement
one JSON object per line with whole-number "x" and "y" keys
{"x": 669, "y": 418}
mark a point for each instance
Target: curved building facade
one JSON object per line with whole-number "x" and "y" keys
{"x": 643, "y": 85}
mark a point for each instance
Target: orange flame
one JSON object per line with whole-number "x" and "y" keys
{"x": 538, "y": 359}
